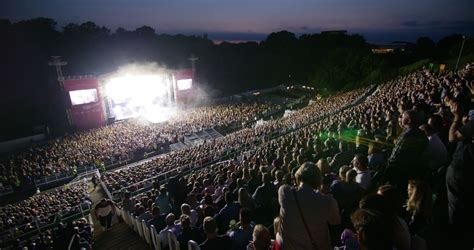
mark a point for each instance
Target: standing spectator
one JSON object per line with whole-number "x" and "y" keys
{"x": 164, "y": 202}
{"x": 405, "y": 161}
{"x": 458, "y": 177}
{"x": 128, "y": 203}
{"x": 360, "y": 164}
{"x": 242, "y": 235}
{"x": 370, "y": 230}
{"x": 105, "y": 211}
{"x": 344, "y": 157}
{"x": 229, "y": 212}
{"x": 435, "y": 152}
{"x": 266, "y": 198}
{"x": 305, "y": 213}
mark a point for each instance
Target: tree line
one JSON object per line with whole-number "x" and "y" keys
{"x": 30, "y": 94}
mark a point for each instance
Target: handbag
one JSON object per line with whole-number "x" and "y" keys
{"x": 315, "y": 246}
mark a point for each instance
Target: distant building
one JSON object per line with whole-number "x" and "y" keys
{"x": 334, "y": 32}
{"x": 390, "y": 48}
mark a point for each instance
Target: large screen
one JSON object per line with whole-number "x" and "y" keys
{"x": 184, "y": 84}
{"x": 83, "y": 96}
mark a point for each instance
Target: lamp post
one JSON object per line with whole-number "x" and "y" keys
{"x": 460, "y": 52}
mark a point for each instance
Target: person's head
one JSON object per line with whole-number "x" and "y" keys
{"x": 410, "y": 119}
{"x": 229, "y": 197}
{"x": 243, "y": 195}
{"x": 419, "y": 198}
{"x": 266, "y": 178}
{"x": 351, "y": 176}
{"x": 342, "y": 172}
{"x": 342, "y": 146}
{"x": 371, "y": 230}
{"x": 276, "y": 225}
{"x": 308, "y": 174}
{"x": 323, "y": 166}
{"x": 156, "y": 211}
{"x": 209, "y": 211}
{"x": 170, "y": 218}
{"x": 245, "y": 216}
{"x": 210, "y": 226}
{"x": 393, "y": 197}
{"x": 373, "y": 202}
{"x": 427, "y": 129}
{"x": 261, "y": 238}
{"x": 186, "y": 209}
{"x": 360, "y": 162}
{"x": 185, "y": 221}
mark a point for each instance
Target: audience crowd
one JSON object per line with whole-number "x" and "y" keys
{"x": 389, "y": 173}
{"x": 120, "y": 141}
{"x": 42, "y": 209}
{"x": 384, "y": 168}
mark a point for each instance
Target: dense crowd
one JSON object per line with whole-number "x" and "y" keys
{"x": 119, "y": 141}
{"x": 390, "y": 173}
{"x": 43, "y": 209}
{"x": 218, "y": 148}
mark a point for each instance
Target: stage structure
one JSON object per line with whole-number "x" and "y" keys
{"x": 93, "y": 101}
{"x": 86, "y": 108}
{"x": 149, "y": 95}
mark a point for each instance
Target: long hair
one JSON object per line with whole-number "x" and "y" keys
{"x": 419, "y": 198}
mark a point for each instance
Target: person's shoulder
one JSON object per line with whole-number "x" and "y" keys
{"x": 285, "y": 188}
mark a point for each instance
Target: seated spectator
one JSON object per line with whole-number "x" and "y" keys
{"x": 193, "y": 216}
{"x": 261, "y": 239}
{"x": 170, "y": 226}
{"x": 213, "y": 240}
{"x": 188, "y": 232}
{"x": 419, "y": 207}
{"x": 158, "y": 220}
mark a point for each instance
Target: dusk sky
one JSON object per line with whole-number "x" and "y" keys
{"x": 378, "y": 20}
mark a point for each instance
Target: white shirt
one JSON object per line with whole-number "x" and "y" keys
{"x": 363, "y": 178}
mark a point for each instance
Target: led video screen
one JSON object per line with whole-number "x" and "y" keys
{"x": 83, "y": 96}
{"x": 185, "y": 84}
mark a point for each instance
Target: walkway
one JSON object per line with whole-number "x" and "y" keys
{"x": 121, "y": 237}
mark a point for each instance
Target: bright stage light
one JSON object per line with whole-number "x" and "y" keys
{"x": 139, "y": 95}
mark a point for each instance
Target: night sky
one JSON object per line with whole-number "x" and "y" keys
{"x": 379, "y": 21}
